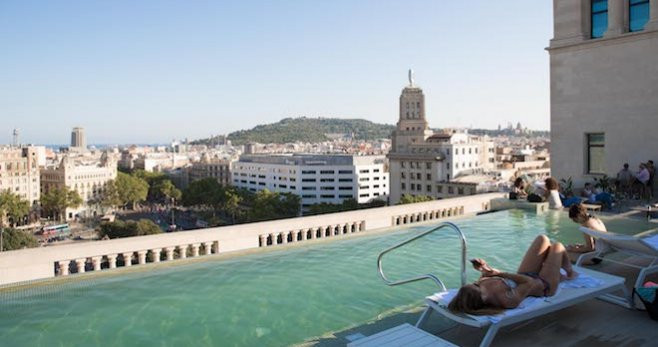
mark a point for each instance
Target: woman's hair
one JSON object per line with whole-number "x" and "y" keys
{"x": 551, "y": 183}
{"x": 518, "y": 182}
{"x": 578, "y": 211}
{"x": 469, "y": 300}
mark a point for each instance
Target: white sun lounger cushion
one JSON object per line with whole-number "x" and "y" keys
{"x": 528, "y": 304}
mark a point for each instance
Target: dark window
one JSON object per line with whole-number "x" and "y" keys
{"x": 345, "y": 196}
{"x": 429, "y": 188}
{"x": 308, "y": 172}
{"x": 327, "y": 196}
{"x": 460, "y": 191}
{"x": 327, "y": 188}
{"x": 364, "y": 171}
{"x": 403, "y": 186}
{"x": 344, "y": 188}
{"x": 638, "y": 14}
{"x": 326, "y": 180}
{"x": 439, "y": 189}
{"x": 429, "y": 177}
{"x": 308, "y": 179}
{"x": 344, "y": 180}
{"x": 309, "y": 196}
{"x": 451, "y": 190}
{"x": 308, "y": 188}
{"x": 344, "y": 171}
{"x": 327, "y": 172}
{"x": 596, "y": 153}
{"x": 599, "y": 18}
{"x": 375, "y": 170}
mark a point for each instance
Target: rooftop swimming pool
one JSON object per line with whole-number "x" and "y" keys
{"x": 278, "y": 297}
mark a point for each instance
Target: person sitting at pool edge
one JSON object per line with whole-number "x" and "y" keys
{"x": 518, "y": 190}
{"x": 538, "y": 275}
{"x": 552, "y": 195}
{"x": 578, "y": 214}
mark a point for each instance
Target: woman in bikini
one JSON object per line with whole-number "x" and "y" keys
{"x": 538, "y": 275}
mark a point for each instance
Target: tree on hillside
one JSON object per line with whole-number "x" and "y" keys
{"x": 119, "y": 228}
{"x": 410, "y": 199}
{"x": 131, "y": 190}
{"x": 12, "y": 208}
{"x": 56, "y": 200}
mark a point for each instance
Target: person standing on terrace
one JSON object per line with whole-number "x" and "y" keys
{"x": 578, "y": 214}
{"x": 624, "y": 179}
{"x": 652, "y": 175}
{"x": 538, "y": 275}
{"x": 642, "y": 180}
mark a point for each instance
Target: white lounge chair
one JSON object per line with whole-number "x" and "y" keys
{"x": 530, "y": 308}
{"x": 639, "y": 245}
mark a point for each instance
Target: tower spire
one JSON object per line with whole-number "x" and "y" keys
{"x": 411, "y": 78}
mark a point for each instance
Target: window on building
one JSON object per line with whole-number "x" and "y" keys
{"x": 375, "y": 170}
{"x": 402, "y": 164}
{"x": 429, "y": 177}
{"x": 346, "y": 180}
{"x": 364, "y": 179}
{"x": 403, "y": 186}
{"x": 596, "y": 153}
{"x": 327, "y": 188}
{"x": 599, "y": 18}
{"x": 347, "y": 188}
{"x": 419, "y": 176}
{"x": 439, "y": 189}
{"x": 402, "y": 175}
{"x": 451, "y": 190}
{"x": 460, "y": 191}
{"x": 364, "y": 171}
{"x": 344, "y": 171}
{"x": 429, "y": 188}
{"x": 327, "y": 172}
{"x": 413, "y": 187}
{"x": 345, "y": 196}
{"x": 327, "y": 196}
{"x": 309, "y": 172}
{"x": 638, "y": 14}
{"x": 428, "y": 165}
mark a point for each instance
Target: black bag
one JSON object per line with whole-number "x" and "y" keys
{"x": 513, "y": 196}
{"x": 646, "y": 294}
{"x": 535, "y": 198}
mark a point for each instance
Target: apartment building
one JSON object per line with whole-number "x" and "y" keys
{"x": 19, "y": 171}
{"x": 213, "y": 166}
{"x": 315, "y": 178}
{"x": 86, "y": 175}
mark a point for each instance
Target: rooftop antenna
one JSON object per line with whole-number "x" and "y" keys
{"x": 411, "y": 78}
{"x": 15, "y": 140}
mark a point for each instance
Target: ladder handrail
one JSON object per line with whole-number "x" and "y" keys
{"x": 425, "y": 276}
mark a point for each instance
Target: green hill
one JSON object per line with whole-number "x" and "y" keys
{"x": 309, "y": 130}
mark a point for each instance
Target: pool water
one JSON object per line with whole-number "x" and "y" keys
{"x": 273, "y": 298}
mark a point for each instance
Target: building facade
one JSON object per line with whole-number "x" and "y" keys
{"x": 604, "y": 87}
{"x": 315, "y": 178}
{"x": 78, "y": 139}
{"x": 211, "y": 166}
{"x": 425, "y": 163}
{"x": 19, "y": 172}
{"x": 87, "y": 176}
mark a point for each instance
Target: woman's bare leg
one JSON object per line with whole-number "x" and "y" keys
{"x": 550, "y": 271}
{"x": 535, "y": 255}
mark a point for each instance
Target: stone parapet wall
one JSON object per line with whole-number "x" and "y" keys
{"x": 62, "y": 260}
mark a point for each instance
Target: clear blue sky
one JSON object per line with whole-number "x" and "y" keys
{"x": 150, "y": 71}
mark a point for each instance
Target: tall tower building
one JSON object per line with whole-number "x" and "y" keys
{"x": 78, "y": 139}
{"x": 412, "y": 126}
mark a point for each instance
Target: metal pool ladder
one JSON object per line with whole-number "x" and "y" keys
{"x": 426, "y": 276}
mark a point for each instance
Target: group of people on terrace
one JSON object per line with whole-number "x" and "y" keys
{"x": 637, "y": 184}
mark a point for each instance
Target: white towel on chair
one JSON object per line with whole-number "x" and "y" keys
{"x": 529, "y": 303}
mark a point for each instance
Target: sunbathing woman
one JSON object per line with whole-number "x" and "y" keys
{"x": 538, "y": 275}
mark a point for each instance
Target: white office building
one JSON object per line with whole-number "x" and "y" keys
{"x": 315, "y": 178}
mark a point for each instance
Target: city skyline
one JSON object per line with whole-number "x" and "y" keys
{"x": 143, "y": 75}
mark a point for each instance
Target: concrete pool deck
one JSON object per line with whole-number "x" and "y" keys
{"x": 594, "y": 322}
